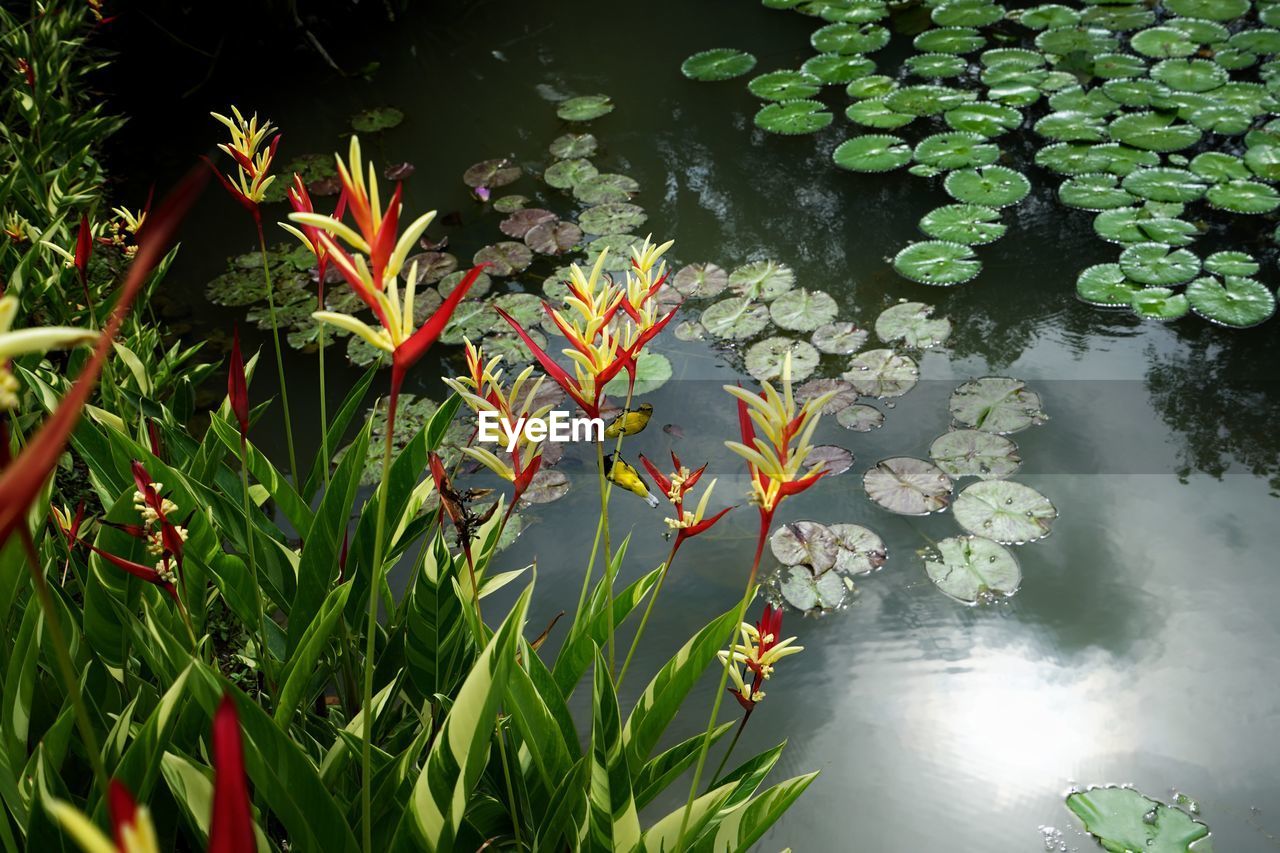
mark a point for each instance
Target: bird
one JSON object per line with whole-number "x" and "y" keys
{"x": 620, "y": 473}
{"x": 630, "y": 422}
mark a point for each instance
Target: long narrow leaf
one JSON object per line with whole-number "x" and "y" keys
{"x": 613, "y": 823}
{"x": 299, "y": 671}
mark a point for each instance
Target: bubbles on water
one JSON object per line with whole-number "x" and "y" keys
{"x": 1054, "y": 842}
{"x": 1191, "y": 806}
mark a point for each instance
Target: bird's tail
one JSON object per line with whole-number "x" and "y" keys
{"x": 651, "y": 500}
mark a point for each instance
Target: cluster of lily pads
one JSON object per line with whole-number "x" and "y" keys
{"x": 1160, "y": 118}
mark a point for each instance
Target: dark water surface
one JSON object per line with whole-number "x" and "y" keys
{"x": 1142, "y": 647}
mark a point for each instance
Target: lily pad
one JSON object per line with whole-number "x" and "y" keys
{"x": 376, "y": 119}
{"x": 937, "y": 262}
{"x": 860, "y": 417}
{"x": 1218, "y": 167}
{"x": 840, "y": 338}
{"x": 518, "y": 224}
{"x": 505, "y": 258}
{"x": 1209, "y": 10}
{"x": 996, "y": 404}
{"x": 1069, "y": 158}
{"x": 993, "y": 186}
{"x": 565, "y": 174}
{"x": 832, "y": 68}
{"x": 957, "y": 40}
{"x": 805, "y": 591}
{"x": 1163, "y": 42}
{"x": 1094, "y": 192}
{"x": 859, "y": 551}
{"x": 936, "y": 65}
{"x": 612, "y": 218}
{"x": 882, "y": 373}
{"x": 1159, "y": 303}
{"x": 721, "y": 63}
{"x": 926, "y": 100}
{"x": 604, "y": 188}
{"x": 1105, "y": 286}
{"x": 1114, "y": 66}
{"x": 553, "y": 238}
{"x": 1264, "y": 161}
{"x": 1165, "y": 184}
{"x": 547, "y": 487}
{"x": 572, "y": 146}
{"x": 762, "y": 279}
{"x": 1190, "y": 75}
{"x": 792, "y": 118}
{"x": 765, "y": 359}
{"x": 967, "y": 13}
{"x": 1134, "y": 93}
{"x": 973, "y": 453}
{"x": 585, "y": 108}
{"x": 983, "y": 117}
{"x": 653, "y": 370}
{"x": 971, "y": 224}
{"x": 700, "y": 281}
{"x": 1235, "y": 301}
{"x": 1158, "y": 265}
{"x": 1221, "y": 118}
{"x": 876, "y": 113}
{"x": 510, "y": 203}
{"x": 805, "y": 543}
{"x": 1153, "y": 131}
{"x": 910, "y": 323}
{"x": 1124, "y": 819}
{"x": 908, "y": 486}
{"x": 973, "y": 569}
{"x": 956, "y": 150}
{"x": 845, "y": 37}
{"x": 1247, "y": 197}
{"x": 1049, "y": 16}
{"x": 871, "y": 86}
{"x": 872, "y": 153}
{"x": 736, "y": 318}
{"x": 785, "y": 86}
{"x": 842, "y": 392}
{"x": 478, "y": 288}
{"x": 492, "y": 173}
{"x": 1231, "y": 263}
{"x": 802, "y": 310}
{"x": 1070, "y": 126}
{"x": 835, "y": 460}
{"x": 1007, "y": 512}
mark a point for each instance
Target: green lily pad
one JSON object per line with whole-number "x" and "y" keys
{"x": 1094, "y": 192}
{"x": 585, "y": 108}
{"x": 1124, "y": 819}
{"x": 1209, "y": 10}
{"x": 882, "y": 373}
{"x": 1127, "y": 225}
{"x": 1049, "y": 16}
{"x": 983, "y": 117}
{"x": 1015, "y": 58}
{"x": 1231, "y": 263}
{"x": 935, "y": 65}
{"x": 1163, "y": 42}
{"x": 505, "y": 258}
{"x": 653, "y": 370}
{"x": 972, "y": 453}
{"x": 1071, "y": 127}
{"x": 802, "y": 310}
{"x": 993, "y": 186}
{"x": 572, "y": 146}
{"x": 1157, "y": 265}
{"x": 605, "y": 188}
{"x": 1105, "y": 286}
{"x": 1159, "y": 303}
{"x": 689, "y": 330}
{"x": 1134, "y": 93}
{"x": 721, "y": 63}
{"x": 1119, "y": 159}
{"x": 510, "y": 203}
{"x": 525, "y": 308}
{"x": 492, "y": 173}
{"x": 926, "y": 100}
{"x": 700, "y": 281}
{"x": 1070, "y": 158}
{"x": 996, "y": 404}
{"x": 859, "y": 551}
{"x": 971, "y": 224}
{"x": 566, "y": 174}
{"x": 735, "y": 318}
{"x": 1218, "y": 167}
{"x": 848, "y": 37}
{"x": 1153, "y": 131}
{"x": 1264, "y": 161}
{"x": 876, "y": 113}
{"x": 1200, "y": 30}
{"x": 792, "y": 118}
{"x": 1221, "y": 118}
{"x": 831, "y": 68}
{"x": 1264, "y": 42}
{"x": 765, "y": 359}
{"x": 547, "y": 486}
{"x": 1091, "y": 102}
{"x": 872, "y": 153}
{"x": 553, "y": 237}
{"x": 784, "y": 86}
{"x": 839, "y": 338}
{"x": 1248, "y": 197}
{"x": 478, "y": 288}
{"x": 1165, "y": 184}
{"x": 1234, "y": 59}
{"x": 765, "y": 280}
{"x": 1113, "y": 66}
{"x": 806, "y": 592}
{"x": 967, "y": 13}
{"x": 956, "y": 150}
{"x": 860, "y": 417}
{"x": 911, "y": 323}
{"x": 619, "y": 247}
{"x": 612, "y": 218}
{"x": 376, "y": 119}
{"x": 937, "y": 262}
{"x": 1004, "y": 511}
{"x": 973, "y": 569}
{"x": 1235, "y": 301}
{"x": 471, "y": 319}
{"x": 957, "y": 40}
{"x": 871, "y": 86}
{"x": 908, "y": 486}
{"x": 1190, "y": 75}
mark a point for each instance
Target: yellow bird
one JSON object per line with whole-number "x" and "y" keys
{"x": 630, "y": 421}
{"x": 620, "y": 473}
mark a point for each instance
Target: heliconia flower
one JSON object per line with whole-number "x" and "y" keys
{"x": 309, "y": 235}
{"x": 28, "y": 73}
{"x": 69, "y": 525}
{"x": 231, "y": 824}
{"x": 16, "y": 227}
{"x": 252, "y": 158}
{"x": 124, "y": 229}
{"x": 482, "y": 390}
{"x": 150, "y": 574}
{"x": 22, "y": 480}
{"x": 759, "y": 649}
{"x": 131, "y": 826}
{"x": 16, "y": 342}
{"x": 237, "y": 387}
{"x": 681, "y": 481}
{"x": 84, "y": 247}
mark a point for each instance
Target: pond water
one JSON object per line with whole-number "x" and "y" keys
{"x": 1141, "y": 647}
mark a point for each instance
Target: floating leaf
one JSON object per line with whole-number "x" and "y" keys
{"x": 604, "y": 188}
{"x": 1094, "y": 192}
{"x": 653, "y": 370}
{"x": 832, "y": 68}
{"x": 546, "y": 487}
{"x": 1264, "y": 161}
{"x": 882, "y": 373}
{"x": 791, "y": 118}
{"x": 432, "y": 266}
{"x": 910, "y": 323}
{"x": 1153, "y": 131}
{"x": 860, "y": 418}
{"x": 973, "y": 453}
{"x": 1221, "y": 118}
{"x": 937, "y": 262}
{"x": 805, "y": 543}
{"x": 839, "y": 338}
{"x": 1049, "y": 16}
{"x": 872, "y": 86}
{"x": 1105, "y": 286}
{"x": 805, "y": 592}
{"x": 785, "y": 86}
{"x": 1231, "y": 263}
{"x": 491, "y": 173}
{"x": 983, "y": 117}
{"x": 1068, "y": 158}
{"x": 1134, "y": 93}
{"x": 585, "y": 108}
{"x": 478, "y": 288}
{"x": 872, "y": 153}
{"x": 1155, "y": 264}
{"x": 505, "y": 258}
{"x": 956, "y": 150}
{"x": 572, "y": 146}
{"x": 1121, "y": 159}
{"x": 510, "y": 203}
{"x": 1165, "y": 184}
{"x": 1162, "y": 42}
{"x": 876, "y": 113}
{"x": 762, "y": 279}
{"x": 843, "y": 394}
{"x": 996, "y": 404}
{"x": 1190, "y": 75}
{"x": 619, "y": 257}
{"x": 1235, "y": 301}
{"x": 803, "y": 310}
{"x": 971, "y": 224}
{"x": 765, "y": 359}
{"x": 859, "y": 551}
{"x": 1072, "y": 127}
{"x": 566, "y": 174}
{"x": 518, "y": 224}
{"x": 376, "y": 119}
{"x": 908, "y": 486}
{"x": 700, "y": 281}
{"x": 936, "y": 65}
{"x": 612, "y": 218}
{"x": 966, "y": 13}
{"x": 926, "y": 100}
{"x": 1115, "y": 66}
{"x": 1124, "y": 819}
{"x": 955, "y": 40}
{"x": 721, "y": 63}
{"x": 1159, "y": 303}
{"x": 973, "y": 569}
{"x": 993, "y": 186}
{"x": 1007, "y": 512}
{"x": 1248, "y": 197}
{"x": 835, "y": 460}
{"x": 1209, "y": 10}
{"x": 553, "y": 238}
{"x": 847, "y": 37}
{"x": 735, "y": 318}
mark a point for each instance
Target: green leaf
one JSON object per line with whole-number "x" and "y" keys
{"x": 973, "y": 569}
{"x": 784, "y": 86}
{"x": 351, "y": 404}
{"x": 435, "y": 634}
{"x": 585, "y": 108}
{"x": 1235, "y": 302}
{"x": 872, "y": 153}
{"x": 722, "y": 63}
{"x": 973, "y": 453}
{"x": 1008, "y": 512}
{"x": 138, "y": 769}
{"x": 261, "y": 469}
{"x": 791, "y": 118}
{"x": 970, "y": 224}
{"x": 1155, "y": 264}
{"x": 612, "y": 819}
{"x": 741, "y": 830}
{"x": 937, "y": 262}
{"x": 1122, "y": 819}
{"x": 994, "y": 186}
{"x": 996, "y": 404}
{"x": 299, "y": 673}
{"x": 1159, "y": 303}
{"x": 663, "y": 769}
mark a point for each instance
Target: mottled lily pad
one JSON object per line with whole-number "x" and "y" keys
{"x": 806, "y": 592}
{"x": 993, "y": 186}
{"x": 505, "y": 258}
{"x": 908, "y": 486}
{"x": 996, "y": 404}
{"x": 802, "y": 310}
{"x": 1007, "y": 512}
{"x": 553, "y": 238}
{"x": 585, "y": 108}
{"x": 835, "y": 460}
{"x": 765, "y": 359}
{"x": 700, "y": 281}
{"x": 910, "y": 323}
{"x": 518, "y": 224}
{"x": 478, "y": 288}
{"x": 971, "y": 224}
{"x": 735, "y": 318}
{"x": 860, "y": 417}
{"x": 491, "y": 173}
{"x": 1235, "y": 301}
{"x": 937, "y": 262}
{"x": 605, "y": 188}
{"x": 882, "y": 373}
{"x": 842, "y": 394}
{"x": 571, "y": 146}
{"x": 510, "y": 203}
{"x": 872, "y": 153}
{"x": 565, "y": 174}
{"x": 721, "y": 63}
{"x": 805, "y": 543}
{"x": 762, "y": 279}
{"x": 1124, "y": 819}
{"x": 973, "y": 569}
{"x": 376, "y": 119}
{"x": 612, "y": 218}
{"x": 973, "y": 453}
{"x": 792, "y": 118}
{"x": 547, "y": 487}
{"x": 859, "y": 551}
{"x": 839, "y": 338}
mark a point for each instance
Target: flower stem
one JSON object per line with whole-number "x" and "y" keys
{"x": 324, "y": 415}
{"x": 766, "y": 521}
{"x": 604, "y": 514}
{"x": 275, "y": 337}
{"x": 715, "y": 777}
{"x": 371, "y": 628}
{"x": 263, "y": 659}
{"x": 511, "y": 793}
{"x": 644, "y": 620}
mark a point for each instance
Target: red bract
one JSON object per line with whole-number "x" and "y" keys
{"x": 22, "y": 480}
{"x": 237, "y": 387}
{"x": 231, "y": 825}
{"x": 146, "y": 573}
{"x": 675, "y": 487}
{"x": 300, "y": 201}
{"x": 84, "y": 248}
{"x": 124, "y": 811}
{"x": 408, "y": 353}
